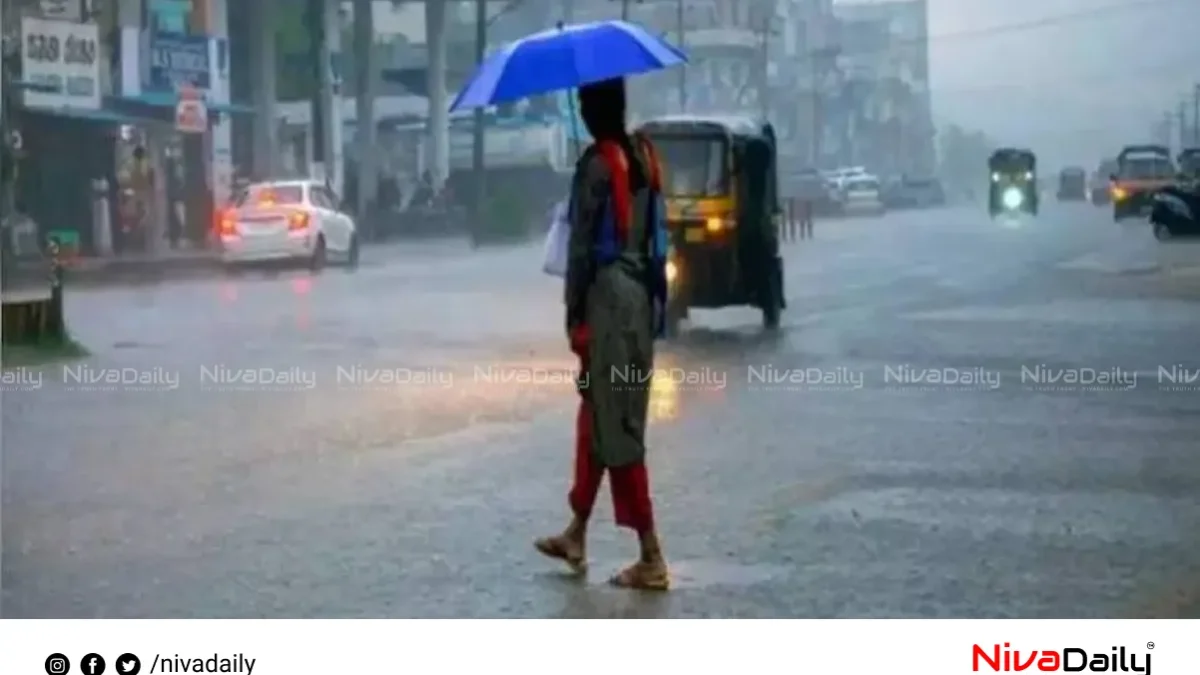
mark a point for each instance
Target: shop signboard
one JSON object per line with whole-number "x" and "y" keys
{"x": 191, "y": 112}
{"x": 65, "y": 57}
{"x": 177, "y": 61}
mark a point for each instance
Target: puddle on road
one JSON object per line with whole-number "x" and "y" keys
{"x": 1080, "y": 312}
{"x": 695, "y": 573}
{"x": 595, "y": 598}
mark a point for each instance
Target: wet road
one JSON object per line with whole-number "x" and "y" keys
{"x": 822, "y": 472}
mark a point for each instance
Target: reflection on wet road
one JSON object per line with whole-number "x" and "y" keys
{"x": 387, "y": 442}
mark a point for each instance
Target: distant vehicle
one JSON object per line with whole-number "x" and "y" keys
{"x": 908, "y": 192}
{"x": 812, "y": 185}
{"x": 1142, "y": 170}
{"x": 862, "y": 196}
{"x": 1101, "y": 184}
{"x": 1072, "y": 184}
{"x": 844, "y": 174}
{"x": 1013, "y": 187}
{"x": 287, "y": 220}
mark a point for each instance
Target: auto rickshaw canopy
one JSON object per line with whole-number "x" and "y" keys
{"x": 1012, "y": 160}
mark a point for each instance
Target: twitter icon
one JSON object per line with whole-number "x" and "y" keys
{"x": 128, "y": 664}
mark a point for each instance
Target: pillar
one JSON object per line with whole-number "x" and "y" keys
{"x": 331, "y": 96}
{"x": 262, "y": 61}
{"x": 129, "y": 19}
{"x": 439, "y": 115}
{"x": 212, "y": 18}
{"x": 366, "y": 77}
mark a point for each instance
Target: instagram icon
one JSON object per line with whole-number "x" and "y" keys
{"x": 57, "y": 664}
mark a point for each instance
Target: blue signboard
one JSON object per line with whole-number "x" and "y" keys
{"x": 178, "y": 59}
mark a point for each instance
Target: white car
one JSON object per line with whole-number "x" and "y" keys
{"x": 287, "y": 220}
{"x": 862, "y": 196}
{"x": 843, "y": 175}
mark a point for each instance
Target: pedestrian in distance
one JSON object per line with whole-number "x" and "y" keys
{"x": 614, "y": 296}
{"x": 806, "y": 218}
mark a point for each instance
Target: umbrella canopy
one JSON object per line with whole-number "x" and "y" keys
{"x": 565, "y": 58}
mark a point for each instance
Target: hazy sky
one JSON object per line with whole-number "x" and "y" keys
{"x": 1072, "y": 90}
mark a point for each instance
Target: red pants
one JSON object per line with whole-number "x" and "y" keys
{"x": 630, "y": 484}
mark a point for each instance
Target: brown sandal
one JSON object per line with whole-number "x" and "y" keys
{"x": 559, "y": 549}
{"x": 643, "y": 576}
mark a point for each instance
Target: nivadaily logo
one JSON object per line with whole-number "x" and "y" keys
{"x": 1005, "y": 659}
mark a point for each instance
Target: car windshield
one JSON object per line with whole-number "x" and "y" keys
{"x": 1149, "y": 167}
{"x": 863, "y": 185}
{"x": 271, "y": 195}
{"x": 694, "y": 166}
{"x": 1011, "y": 166}
{"x": 1190, "y": 164}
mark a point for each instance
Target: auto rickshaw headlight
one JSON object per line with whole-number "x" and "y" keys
{"x": 672, "y": 271}
{"x": 996, "y": 177}
{"x": 1013, "y": 199}
{"x": 1119, "y": 193}
{"x": 714, "y": 225}
{"x": 1028, "y": 175}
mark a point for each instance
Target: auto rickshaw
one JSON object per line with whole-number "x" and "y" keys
{"x": 1072, "y": 184}
{"x": 721, "y": 187}
{"x": 1013, "y": 187}
{"x": 1142, "y": 170}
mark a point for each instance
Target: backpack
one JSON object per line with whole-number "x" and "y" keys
{"x": 617, "y": 216}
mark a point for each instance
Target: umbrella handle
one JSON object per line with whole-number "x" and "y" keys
{"x": 574, "y": 117}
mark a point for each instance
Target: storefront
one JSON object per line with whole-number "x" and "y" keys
{"x": 66, "y": 132}
{"x": 195, "y": 165}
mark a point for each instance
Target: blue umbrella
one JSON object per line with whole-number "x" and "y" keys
{"x": 565, "y": 58}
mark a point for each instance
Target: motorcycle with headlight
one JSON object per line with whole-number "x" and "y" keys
{"x": 1013, "y": 183}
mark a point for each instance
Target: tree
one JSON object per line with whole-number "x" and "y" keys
{"x": 293, "y": 52}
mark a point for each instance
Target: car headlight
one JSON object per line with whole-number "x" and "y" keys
{"x": 1013, "y": 199}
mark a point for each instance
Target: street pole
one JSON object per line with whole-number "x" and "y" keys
{"x": 683, "y": 68}
{"x": 1183, "y": 135}
{"x": 624, "y": 10}
{"x": 1196, "y": 116}
{"x": 764, "y": 93}
{"x": 364, "y": 61}
{"x": 315, "y": 11}
{"x": 477, "y": 145}
{"x": 817, "y": 125}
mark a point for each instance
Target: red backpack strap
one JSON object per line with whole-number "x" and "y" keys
{"x": 618, "y": 171}
{"x": 655, "y": 168}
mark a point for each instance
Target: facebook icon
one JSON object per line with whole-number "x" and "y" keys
{"x": 92, "y": 664}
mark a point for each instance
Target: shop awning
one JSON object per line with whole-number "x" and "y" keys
{"x": 159, "y": 103}
{"x": 96, "y": 115}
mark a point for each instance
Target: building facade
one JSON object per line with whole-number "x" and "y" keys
{"x": 883, "y": 109}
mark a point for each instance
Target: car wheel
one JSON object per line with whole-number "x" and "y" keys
{"x": 353, "y": 253}
{"x": 317, "y": 261}
{"x": 1161, "y": 232}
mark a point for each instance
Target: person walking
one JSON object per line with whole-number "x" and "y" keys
{"x": 613, "y": 301}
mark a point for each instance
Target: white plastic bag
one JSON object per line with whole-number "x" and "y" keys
{"x": 558, "y": 238}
